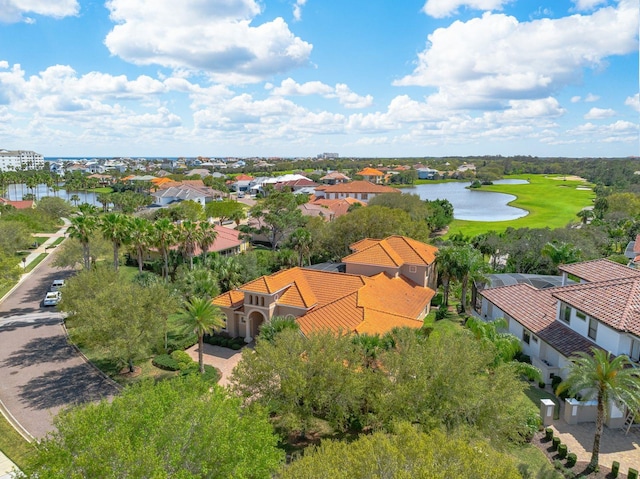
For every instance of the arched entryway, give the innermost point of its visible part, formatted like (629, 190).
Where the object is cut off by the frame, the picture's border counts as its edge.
(254, 321)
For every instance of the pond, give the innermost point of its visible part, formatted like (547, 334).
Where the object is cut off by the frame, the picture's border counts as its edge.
(472, 204)
(15, 193)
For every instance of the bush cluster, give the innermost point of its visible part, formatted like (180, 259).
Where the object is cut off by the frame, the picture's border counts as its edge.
(232, 343)
(571, 459)
(615, 469)
(165, 362)
(633, 473)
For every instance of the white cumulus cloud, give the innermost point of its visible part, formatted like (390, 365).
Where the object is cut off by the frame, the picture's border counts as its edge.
(12, 11)
(345, 96)
(633, 102)
(297, 9)
(445, 8)
(588, 4)
(599, 113)
(487, 61)
(217, 37)
(590, 98)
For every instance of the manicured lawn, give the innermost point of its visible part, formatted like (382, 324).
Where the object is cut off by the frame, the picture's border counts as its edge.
(13, 444)
(57, 242)
(535, 394)
(532, 458)
(36, 261)
(102, 189)
(550, 202)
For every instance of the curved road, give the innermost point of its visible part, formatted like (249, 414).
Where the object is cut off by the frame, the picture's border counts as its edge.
(40, 373)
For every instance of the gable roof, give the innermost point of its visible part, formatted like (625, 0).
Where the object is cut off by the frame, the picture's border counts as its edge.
(393, 251)
(599, 270)
(18, 204)
(535, 309)
(616, 303)
(370, 172)
(340, 301)
(357, 187)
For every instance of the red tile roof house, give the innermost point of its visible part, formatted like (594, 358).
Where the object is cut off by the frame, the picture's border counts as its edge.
(388, 283)
(359, 190)
(228, 242)
(602, 310)
(20, 204)
(372, 175)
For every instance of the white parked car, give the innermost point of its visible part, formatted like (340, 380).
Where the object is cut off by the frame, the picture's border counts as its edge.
(52, 298)
(56, 285)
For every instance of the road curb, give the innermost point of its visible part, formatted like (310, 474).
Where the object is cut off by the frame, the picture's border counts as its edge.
(15, 423)
(87, 360)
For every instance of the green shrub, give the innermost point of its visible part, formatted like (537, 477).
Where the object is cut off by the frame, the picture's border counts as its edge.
(562, 451)
(548, 434)
(542, 384)
(615, 469)
(571, 459)
(633, 473)
(555, 381)
(555, 443)
(183, 359)
(236, 346)
(165, 362)
(441, 312)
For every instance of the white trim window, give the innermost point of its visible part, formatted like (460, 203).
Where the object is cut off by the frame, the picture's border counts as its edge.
(593, 328)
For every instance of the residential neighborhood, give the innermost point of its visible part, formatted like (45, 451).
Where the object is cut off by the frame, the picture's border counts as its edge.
(327, 296)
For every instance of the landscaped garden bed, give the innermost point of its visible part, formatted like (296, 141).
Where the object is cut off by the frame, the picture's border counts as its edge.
(218, 340)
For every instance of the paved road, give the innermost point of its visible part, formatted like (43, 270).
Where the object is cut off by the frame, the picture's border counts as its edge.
(39, 372)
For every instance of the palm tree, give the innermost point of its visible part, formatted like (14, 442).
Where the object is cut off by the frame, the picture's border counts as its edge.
(104, 199)
(301, 241)
(75, 198)
(445, 262)
(207, 238)
(164, 236)
(115, 228)
(469, 266)
(82, 227)
(606, 378)
(228, 271)
(201, 317)
(189, 237)
(140, 237)
(561, 253)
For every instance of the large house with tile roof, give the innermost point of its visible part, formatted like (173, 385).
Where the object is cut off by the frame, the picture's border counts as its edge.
(359, 190)
(373, 175)
(386, 285)
(599, 308)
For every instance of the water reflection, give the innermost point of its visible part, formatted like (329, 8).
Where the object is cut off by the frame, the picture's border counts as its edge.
(472, 204)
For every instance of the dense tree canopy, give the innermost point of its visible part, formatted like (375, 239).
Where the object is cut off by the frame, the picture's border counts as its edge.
(406, 454)
(182, 428)
(115, 316)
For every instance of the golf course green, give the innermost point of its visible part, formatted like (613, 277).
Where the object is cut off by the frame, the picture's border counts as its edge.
(552, 201)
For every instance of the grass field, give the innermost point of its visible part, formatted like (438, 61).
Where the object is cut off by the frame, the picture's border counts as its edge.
(13, 444)
(551, 202)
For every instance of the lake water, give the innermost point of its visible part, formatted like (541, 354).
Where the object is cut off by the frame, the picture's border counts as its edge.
(15, 192)
(472, 204)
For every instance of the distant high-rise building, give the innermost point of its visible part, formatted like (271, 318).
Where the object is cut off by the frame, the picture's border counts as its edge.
(327, 156)
(20, 160)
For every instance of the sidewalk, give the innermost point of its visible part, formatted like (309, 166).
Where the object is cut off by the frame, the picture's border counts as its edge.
(51, 238)
(6, 467)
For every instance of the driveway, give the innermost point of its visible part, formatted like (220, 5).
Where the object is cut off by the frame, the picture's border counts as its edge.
(224, 359)
(40, 373)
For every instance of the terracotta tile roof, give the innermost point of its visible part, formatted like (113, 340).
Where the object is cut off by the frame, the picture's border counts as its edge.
(18, 204)
(340, 301)
(535, 309)
(616, 303)
(243, 178)
(357, 187)
(335, 175)
(370, 172)
(599, 270)
(636, 245)
(407, 298)
(338, 207)
(230, 299)
(392, 251)
(227, 238)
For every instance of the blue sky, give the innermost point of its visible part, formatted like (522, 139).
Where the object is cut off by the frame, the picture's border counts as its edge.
(376, 78)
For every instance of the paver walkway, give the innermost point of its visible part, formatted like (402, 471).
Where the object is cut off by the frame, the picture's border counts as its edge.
(614, 444)
(224, 359)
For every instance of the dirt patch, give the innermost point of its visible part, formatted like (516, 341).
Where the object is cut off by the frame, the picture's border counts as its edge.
(567, 178)
(125, 373)
(580, 469)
